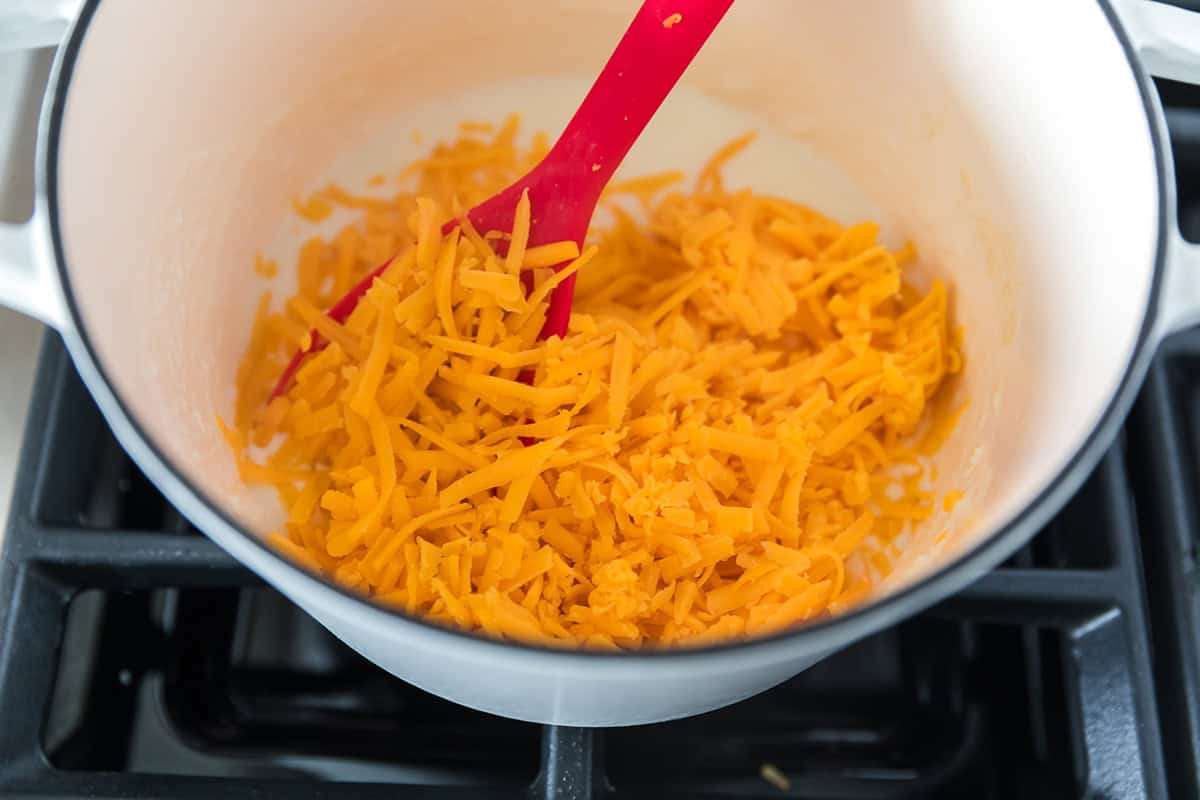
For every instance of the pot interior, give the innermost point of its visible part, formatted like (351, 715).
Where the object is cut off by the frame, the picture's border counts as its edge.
(1024, 174)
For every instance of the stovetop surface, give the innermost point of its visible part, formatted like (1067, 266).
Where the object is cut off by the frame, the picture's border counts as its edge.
(137, 660)
(143, 662)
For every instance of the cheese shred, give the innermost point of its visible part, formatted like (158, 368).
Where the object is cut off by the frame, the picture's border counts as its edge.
(708, 454)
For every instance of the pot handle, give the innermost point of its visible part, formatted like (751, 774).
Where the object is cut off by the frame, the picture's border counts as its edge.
(1167, 39)
(24, 283)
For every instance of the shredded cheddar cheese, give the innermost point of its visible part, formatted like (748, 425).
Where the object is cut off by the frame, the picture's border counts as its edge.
(705, 456)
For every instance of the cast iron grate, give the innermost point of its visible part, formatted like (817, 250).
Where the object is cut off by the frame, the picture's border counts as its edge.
(138, 660)
(1165, 439)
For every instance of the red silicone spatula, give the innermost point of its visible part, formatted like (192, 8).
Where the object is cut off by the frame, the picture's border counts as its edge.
(659, 44)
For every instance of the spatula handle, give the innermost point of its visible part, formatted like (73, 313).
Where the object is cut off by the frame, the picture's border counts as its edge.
(659, 44)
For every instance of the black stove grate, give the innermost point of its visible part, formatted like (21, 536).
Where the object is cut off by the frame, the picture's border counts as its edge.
(1165, 434)
(141, 661)
(137, 660)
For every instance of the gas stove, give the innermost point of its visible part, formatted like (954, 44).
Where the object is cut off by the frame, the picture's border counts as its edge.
(137, 660)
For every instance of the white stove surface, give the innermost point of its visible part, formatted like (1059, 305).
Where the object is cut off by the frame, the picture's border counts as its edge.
(22, 79)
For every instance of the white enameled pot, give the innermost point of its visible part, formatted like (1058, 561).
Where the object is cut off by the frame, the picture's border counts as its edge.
(1020, 145)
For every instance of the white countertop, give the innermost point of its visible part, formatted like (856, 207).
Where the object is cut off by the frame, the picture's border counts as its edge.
(22, 76)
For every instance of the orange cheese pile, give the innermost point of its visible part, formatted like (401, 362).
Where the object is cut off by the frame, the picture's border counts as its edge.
(705, 456)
